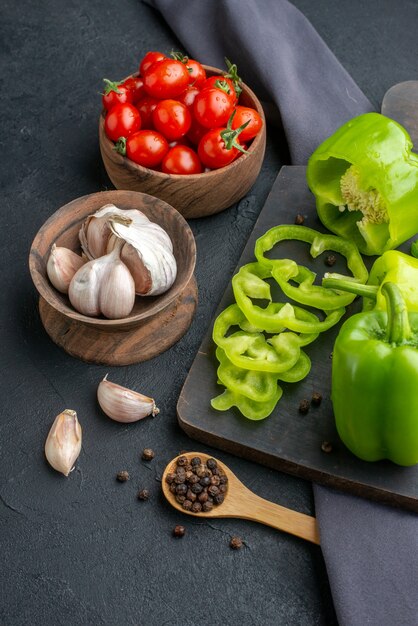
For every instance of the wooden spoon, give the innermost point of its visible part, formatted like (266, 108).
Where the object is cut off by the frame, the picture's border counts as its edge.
(400, 103)
(242, 503)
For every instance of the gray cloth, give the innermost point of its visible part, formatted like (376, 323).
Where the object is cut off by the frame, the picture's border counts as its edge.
(280, 55)
(371, 551)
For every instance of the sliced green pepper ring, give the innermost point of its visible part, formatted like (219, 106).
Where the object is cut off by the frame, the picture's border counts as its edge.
(251, 350)
(258, 386)
(249, 408)
(250, 283)
(286, 270)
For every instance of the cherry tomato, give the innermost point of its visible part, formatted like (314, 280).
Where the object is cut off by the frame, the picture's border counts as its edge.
(226, 84)
(166, 79)
(172, 119)
(212, 108)
(150, 58)
(115, 93)
(146, 147)
(213, 152)
(196, 132)
(136, 85)
(181, 160)
(146, 106)
(188, 95)
(121, 121)
(243, 115)
(197, 74)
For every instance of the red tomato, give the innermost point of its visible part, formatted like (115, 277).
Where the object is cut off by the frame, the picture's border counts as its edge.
(115, 93)
(243, 115)
(197, 74)
(146, 147)
(213, 152)
(146, 106)
(136, 85)
(149, 59)
(181, 160)
(172, 119)
(166, 79)
(196, 132)
(121, 121)
(226, 85)
(188, 95)
(212, 108)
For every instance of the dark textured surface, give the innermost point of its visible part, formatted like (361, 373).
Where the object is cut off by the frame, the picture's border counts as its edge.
(83, 550)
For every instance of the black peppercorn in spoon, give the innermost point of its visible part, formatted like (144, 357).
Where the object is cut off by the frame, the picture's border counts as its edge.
(240, 502)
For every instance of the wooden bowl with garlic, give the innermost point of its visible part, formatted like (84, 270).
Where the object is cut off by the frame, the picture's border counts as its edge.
(194, 195)
(127, 261)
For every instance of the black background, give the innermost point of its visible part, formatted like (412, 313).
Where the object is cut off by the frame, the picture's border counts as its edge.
(84, 550)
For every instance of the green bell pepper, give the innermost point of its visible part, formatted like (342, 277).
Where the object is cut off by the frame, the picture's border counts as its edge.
(250, 350)
(393, 266)
(365, 181)
(286, 271)
(249, 284)
(375, 380)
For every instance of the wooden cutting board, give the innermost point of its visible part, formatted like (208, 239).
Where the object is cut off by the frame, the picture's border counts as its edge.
(288, 440)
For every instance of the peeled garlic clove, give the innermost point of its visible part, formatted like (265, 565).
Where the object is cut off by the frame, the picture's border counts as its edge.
(63, 444)
(105, 286)
(122, 404)
(61, 267)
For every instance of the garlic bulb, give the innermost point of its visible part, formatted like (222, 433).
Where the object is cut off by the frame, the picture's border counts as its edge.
(148, 252)
(61, 267)
(63, 444)
(103, 286)
(122, 404)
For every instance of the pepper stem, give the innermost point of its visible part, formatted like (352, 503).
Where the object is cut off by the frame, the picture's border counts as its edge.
(398, 330)
(342, 283)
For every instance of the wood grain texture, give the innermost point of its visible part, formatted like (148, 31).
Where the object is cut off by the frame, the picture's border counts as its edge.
(176, 305)
(401, 103)
(122, 347)
(197, 195)
(243, 503)
(287, 440)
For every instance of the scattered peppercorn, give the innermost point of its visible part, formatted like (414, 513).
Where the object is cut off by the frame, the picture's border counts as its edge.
(179, 531)
(316, 398)
(148, 454)
(304, 407)
(326, 446)
(143, 494)
(123, 476)
(236, 543)
(330, 260)
(299, 219)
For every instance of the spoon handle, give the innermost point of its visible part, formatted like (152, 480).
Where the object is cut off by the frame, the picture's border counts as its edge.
(279, 517)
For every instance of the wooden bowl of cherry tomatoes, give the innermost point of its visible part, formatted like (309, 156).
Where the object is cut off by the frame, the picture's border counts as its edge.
(187, 133)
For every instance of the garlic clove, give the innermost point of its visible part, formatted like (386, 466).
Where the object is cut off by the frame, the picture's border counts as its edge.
(83, 291)
(61, 267)
(122, 404)
(140, 274)
(104, 285)
(63, 444)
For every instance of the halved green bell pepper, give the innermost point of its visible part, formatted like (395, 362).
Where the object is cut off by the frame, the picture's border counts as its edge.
(365, 181)
(375, 381)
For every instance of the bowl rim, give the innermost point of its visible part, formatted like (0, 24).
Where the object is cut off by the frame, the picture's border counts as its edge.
(48, 292)
(191, 177)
